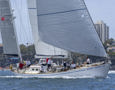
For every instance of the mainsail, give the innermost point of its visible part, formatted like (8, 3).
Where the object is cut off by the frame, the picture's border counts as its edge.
(42, 49)
(66, 24)
(8, 33)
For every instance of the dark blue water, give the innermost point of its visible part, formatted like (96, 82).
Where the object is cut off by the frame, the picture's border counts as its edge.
(21, 83)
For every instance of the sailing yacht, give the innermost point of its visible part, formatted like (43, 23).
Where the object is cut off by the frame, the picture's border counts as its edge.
(60, 27)
(7, 28)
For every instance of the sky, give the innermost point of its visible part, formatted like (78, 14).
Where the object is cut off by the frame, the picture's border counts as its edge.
(98, 9)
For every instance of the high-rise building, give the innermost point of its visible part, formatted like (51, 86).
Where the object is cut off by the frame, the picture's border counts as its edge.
(102, 30)
(1, 48)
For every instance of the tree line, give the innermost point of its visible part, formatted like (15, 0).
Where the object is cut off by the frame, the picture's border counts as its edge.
(27, 52)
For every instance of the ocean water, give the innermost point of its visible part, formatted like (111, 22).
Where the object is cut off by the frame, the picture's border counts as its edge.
(9, 82)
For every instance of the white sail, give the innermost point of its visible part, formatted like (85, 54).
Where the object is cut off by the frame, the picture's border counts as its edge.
(67, 24)
(42, 49)
(9, 38)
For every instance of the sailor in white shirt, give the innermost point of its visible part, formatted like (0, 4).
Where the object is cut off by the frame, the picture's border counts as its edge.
(28, 63)
(73, 65)
(88, 61)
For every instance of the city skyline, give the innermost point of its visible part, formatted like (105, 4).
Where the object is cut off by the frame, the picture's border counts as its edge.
(99, 10)
(102, 30)
(103, 10)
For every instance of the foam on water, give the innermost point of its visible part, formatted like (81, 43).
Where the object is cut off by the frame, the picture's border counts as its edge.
(16, 77)
(112, 72)
(52, 77)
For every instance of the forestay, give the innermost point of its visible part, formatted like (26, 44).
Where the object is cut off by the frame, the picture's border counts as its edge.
(67, 24)
(42, 49)
(8, 33)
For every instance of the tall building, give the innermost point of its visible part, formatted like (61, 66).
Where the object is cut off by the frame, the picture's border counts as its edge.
(102, 30)
(1, 48)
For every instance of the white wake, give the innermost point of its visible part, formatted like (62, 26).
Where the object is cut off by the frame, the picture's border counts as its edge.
(51, 77)
(112, 72)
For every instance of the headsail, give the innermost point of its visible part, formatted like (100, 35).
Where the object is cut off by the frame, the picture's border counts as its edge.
(42, 49)
(8, 33)
(67, 24)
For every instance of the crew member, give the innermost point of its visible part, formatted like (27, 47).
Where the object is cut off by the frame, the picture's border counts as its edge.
(88, 61)
(47, 60)
(21, 65)
(49, 63)
(64, 64)
(11, 66)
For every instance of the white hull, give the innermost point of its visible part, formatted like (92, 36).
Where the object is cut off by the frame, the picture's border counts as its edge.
(100, 71)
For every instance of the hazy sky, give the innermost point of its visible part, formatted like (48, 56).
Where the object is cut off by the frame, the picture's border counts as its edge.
(99, 10)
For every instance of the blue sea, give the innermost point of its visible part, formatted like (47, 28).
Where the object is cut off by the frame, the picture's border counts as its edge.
(9, 82)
